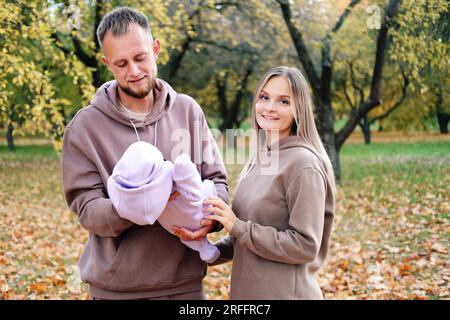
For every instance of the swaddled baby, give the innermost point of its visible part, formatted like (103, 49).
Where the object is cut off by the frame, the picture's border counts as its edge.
(142, 182)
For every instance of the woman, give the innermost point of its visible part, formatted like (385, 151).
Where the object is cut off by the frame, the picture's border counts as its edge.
(280, 225)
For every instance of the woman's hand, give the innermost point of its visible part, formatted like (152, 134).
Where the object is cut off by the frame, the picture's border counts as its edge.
(220, 212)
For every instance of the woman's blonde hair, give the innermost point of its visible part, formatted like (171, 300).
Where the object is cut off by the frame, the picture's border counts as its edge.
(304, 126)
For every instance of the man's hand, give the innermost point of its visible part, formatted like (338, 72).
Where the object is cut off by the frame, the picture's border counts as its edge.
(173, 195)
(186, 235)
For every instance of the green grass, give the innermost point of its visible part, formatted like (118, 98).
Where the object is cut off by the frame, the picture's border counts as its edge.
(416, 149)
(396, 166)
(28, 152)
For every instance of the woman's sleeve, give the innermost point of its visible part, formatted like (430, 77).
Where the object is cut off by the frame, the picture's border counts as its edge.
(300, 243)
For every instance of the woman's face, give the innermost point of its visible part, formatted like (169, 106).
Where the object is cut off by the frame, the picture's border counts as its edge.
(273, 107)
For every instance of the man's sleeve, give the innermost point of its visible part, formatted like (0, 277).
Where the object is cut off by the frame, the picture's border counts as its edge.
(212, 166)
(85, 192)
(226, 248)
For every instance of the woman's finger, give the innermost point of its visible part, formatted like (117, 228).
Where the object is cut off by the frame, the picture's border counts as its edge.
(215, 210)
(216, 218)
(216, 202)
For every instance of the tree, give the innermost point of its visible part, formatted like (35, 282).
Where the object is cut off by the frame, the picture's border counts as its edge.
(321, 82)
(28, 96)
(422, 43)
(83, 41)
(50, 53)
(227, 44)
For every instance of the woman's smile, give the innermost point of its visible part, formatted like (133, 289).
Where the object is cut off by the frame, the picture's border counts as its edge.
(267, 117)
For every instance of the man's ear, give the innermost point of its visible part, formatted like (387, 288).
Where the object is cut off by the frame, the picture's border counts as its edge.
(105, 62)
(156, 48)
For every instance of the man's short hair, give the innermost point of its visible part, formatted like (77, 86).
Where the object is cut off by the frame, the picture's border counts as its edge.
(119, 21)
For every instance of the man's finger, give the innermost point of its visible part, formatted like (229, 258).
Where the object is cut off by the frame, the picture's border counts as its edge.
(205, 222)
(174, 195)
(187, 235)
(200, 233)
(182, 233)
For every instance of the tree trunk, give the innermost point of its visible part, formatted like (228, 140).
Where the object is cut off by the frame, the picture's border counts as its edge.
(325, 114)
(334, 155)
(175, 61)
(365, 127)
(10, 138)
(321, 84)
(443, 119)
(221, 87)
(442, 116)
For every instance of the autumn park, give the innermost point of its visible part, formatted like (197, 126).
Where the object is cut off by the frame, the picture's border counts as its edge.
(378, 73)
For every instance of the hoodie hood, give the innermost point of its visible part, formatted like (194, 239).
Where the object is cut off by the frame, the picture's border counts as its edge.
(106, 100)
(291, 142)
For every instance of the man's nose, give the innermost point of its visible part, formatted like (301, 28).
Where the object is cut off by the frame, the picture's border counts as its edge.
(134, 70)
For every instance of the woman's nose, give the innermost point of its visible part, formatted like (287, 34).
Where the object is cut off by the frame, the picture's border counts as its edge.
(269, 106)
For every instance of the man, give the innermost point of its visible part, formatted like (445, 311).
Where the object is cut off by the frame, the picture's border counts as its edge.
(123, 260)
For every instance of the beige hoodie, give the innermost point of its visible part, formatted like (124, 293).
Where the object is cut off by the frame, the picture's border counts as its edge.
(122, 259)
(283, 231)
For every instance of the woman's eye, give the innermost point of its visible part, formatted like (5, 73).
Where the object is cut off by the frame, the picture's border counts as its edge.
(284, 102)
(264, 97)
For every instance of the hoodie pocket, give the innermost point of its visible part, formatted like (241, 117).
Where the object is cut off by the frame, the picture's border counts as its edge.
(118, 257)
(151, 258)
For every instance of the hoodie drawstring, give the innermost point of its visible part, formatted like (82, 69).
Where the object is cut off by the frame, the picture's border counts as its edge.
(135, 130)
(156, 131)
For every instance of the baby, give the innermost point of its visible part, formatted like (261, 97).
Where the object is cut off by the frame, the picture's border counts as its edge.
(142, 182)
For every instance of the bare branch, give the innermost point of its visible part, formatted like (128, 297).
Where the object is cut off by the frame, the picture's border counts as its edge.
(375, 89)
(354, 85)
(300, 45)
(344, 15)
(347, 96)
(398, 103)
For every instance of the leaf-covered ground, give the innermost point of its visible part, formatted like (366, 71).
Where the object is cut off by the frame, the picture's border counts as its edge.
(390, 237)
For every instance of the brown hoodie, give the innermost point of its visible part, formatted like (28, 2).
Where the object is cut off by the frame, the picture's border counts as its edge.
(122, 259)
(283, 230)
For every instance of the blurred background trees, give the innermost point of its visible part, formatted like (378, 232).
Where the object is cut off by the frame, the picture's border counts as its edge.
(380, 64)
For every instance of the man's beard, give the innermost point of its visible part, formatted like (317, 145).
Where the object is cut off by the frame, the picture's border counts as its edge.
(142, 93)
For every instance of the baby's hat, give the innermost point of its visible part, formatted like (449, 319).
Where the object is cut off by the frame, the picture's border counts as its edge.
(141, 183)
